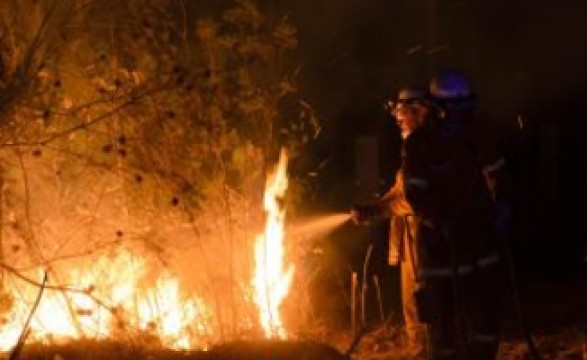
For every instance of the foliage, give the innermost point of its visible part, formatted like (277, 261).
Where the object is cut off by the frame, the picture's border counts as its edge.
(144, 125)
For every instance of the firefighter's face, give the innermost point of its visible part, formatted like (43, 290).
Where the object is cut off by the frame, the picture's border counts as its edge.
(408, 117)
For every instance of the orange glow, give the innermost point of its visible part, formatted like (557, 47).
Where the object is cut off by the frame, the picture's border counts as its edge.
(122, 295)
(271, 281)
(125, 306)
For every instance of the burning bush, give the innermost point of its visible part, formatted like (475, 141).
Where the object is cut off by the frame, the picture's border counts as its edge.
(135, 142)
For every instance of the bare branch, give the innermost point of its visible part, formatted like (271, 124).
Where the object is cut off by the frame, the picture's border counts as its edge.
(15, 353)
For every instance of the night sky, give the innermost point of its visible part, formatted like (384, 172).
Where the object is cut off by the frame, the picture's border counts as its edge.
(526, 60)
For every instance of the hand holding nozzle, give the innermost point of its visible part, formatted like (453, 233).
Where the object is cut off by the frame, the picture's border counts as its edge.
(363, 214)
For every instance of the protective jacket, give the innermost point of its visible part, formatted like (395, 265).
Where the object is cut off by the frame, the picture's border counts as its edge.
(446, 169)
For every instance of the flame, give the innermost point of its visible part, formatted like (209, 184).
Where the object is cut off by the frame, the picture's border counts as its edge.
(271, 282)
(111, 298)
(119, 295)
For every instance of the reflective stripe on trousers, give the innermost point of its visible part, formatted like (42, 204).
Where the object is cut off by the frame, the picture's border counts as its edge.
(446, 271)
(420, 183)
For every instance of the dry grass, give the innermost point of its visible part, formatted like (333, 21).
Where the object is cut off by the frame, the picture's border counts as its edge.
(569, 343)
(383, 343)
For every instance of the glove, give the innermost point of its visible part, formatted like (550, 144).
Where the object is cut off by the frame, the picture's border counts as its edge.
(362, 214)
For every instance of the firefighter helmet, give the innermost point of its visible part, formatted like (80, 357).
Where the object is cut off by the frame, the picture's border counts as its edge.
(452, 88)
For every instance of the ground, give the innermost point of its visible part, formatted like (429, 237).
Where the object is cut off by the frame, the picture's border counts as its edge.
(556, 315)
(556, 312)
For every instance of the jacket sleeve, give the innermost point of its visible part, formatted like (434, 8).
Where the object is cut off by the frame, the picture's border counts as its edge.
(417, 182)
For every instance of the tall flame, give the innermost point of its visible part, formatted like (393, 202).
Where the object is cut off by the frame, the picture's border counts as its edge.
(271, 281)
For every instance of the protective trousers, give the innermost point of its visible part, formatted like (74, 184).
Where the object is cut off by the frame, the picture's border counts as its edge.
(462, 293)
(465, 309)
(415, 329)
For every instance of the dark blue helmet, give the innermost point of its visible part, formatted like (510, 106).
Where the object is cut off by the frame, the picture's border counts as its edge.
(452, 89)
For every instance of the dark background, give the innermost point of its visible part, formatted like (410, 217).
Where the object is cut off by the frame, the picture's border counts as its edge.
(526, 61)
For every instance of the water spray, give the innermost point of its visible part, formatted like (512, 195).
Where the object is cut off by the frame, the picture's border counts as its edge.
(319, 225)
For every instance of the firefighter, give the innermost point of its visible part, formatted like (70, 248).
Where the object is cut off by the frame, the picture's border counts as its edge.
(451, 180)
(410, 110)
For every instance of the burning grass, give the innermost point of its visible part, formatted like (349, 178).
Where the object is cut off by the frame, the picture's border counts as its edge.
(383, 342)
(123, 294)
(143, 348)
